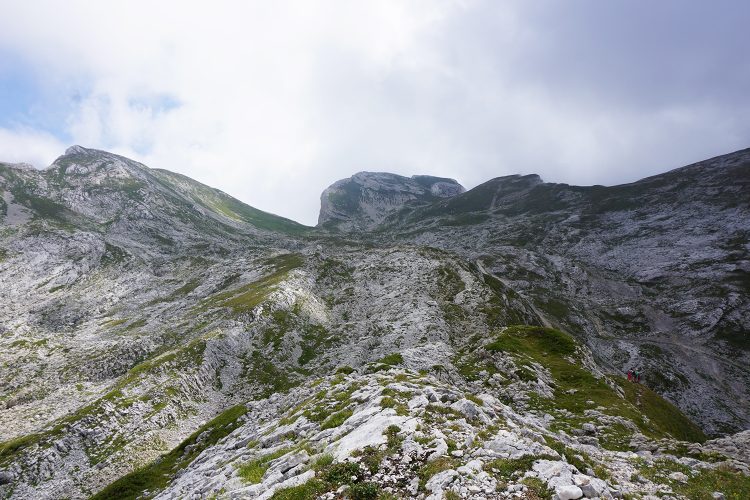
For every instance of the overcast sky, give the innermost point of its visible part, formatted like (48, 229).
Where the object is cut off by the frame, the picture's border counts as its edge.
(273, 101)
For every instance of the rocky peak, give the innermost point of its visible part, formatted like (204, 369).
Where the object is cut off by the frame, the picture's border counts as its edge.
(518, 181)
(367, 198)
(95, 164)
(76, 150)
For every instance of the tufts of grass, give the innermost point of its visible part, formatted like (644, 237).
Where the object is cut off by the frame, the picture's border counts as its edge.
(322, 462)
(364, 491)
(506, 468)
(343, 473)
(702, 483)
(390, 402)
(336, 419)
(474, 399)
(429, 469)
(370, 457)
(393, 439)
(392, 359)
(253, 471)
(579, 459)
(537, 489)
(311, 490)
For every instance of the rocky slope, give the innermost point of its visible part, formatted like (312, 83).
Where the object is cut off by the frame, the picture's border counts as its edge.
(651, 275)
(161, 339)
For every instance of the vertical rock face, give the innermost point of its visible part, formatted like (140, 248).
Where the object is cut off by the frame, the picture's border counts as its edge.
(366, 199)
(159, 338)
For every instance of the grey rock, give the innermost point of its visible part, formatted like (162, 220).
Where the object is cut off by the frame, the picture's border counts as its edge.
(6, 477)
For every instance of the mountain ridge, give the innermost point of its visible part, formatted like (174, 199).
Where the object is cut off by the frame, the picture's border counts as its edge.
(149, 330)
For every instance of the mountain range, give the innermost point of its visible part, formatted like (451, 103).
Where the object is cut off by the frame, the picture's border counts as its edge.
(161, 339)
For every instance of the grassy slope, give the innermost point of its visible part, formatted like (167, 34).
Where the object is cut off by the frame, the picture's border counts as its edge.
(229, 207)
(556, 351)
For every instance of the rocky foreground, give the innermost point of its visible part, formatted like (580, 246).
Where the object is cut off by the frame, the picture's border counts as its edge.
(396, 433)
(513, 426)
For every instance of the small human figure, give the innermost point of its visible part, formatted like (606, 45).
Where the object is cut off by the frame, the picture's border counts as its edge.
(630, 375)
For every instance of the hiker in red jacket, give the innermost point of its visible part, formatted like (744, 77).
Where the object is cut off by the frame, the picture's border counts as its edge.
(630, 375)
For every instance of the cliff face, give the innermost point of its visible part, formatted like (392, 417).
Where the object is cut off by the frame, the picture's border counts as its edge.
(160, 338)
(366, 199)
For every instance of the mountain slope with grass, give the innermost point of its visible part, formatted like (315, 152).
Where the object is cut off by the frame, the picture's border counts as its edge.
(160, 339)
(650, 275)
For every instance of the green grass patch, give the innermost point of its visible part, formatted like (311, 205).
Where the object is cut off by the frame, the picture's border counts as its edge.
(253, 471)
(245, 298)
(336, 419)
(701, 483)
(506, 468)
(575, 385)
(267, 375)
(311, 490)
(431, 468)
(474, 399)
(9, 448)
(392, 359)
(534, 340)
(666, 416)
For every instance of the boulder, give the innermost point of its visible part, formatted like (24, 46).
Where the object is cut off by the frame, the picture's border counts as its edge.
(570, 492)
(679, 477)
(440, 481)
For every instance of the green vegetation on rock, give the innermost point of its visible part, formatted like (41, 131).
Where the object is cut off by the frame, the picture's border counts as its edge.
(159, 473)
(576, 385)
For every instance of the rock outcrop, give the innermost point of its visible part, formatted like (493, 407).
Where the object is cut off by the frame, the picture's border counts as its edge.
(366, 199)
(161, 339)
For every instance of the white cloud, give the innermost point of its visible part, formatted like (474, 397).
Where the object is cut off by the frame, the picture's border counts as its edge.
(29, 146)
(273, 101)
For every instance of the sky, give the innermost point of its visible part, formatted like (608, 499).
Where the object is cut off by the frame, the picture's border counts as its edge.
(273, 101)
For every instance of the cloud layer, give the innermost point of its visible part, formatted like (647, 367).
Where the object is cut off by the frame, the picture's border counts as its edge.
(273, 101)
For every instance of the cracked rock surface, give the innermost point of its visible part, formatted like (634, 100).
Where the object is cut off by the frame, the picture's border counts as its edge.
(160, 339)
